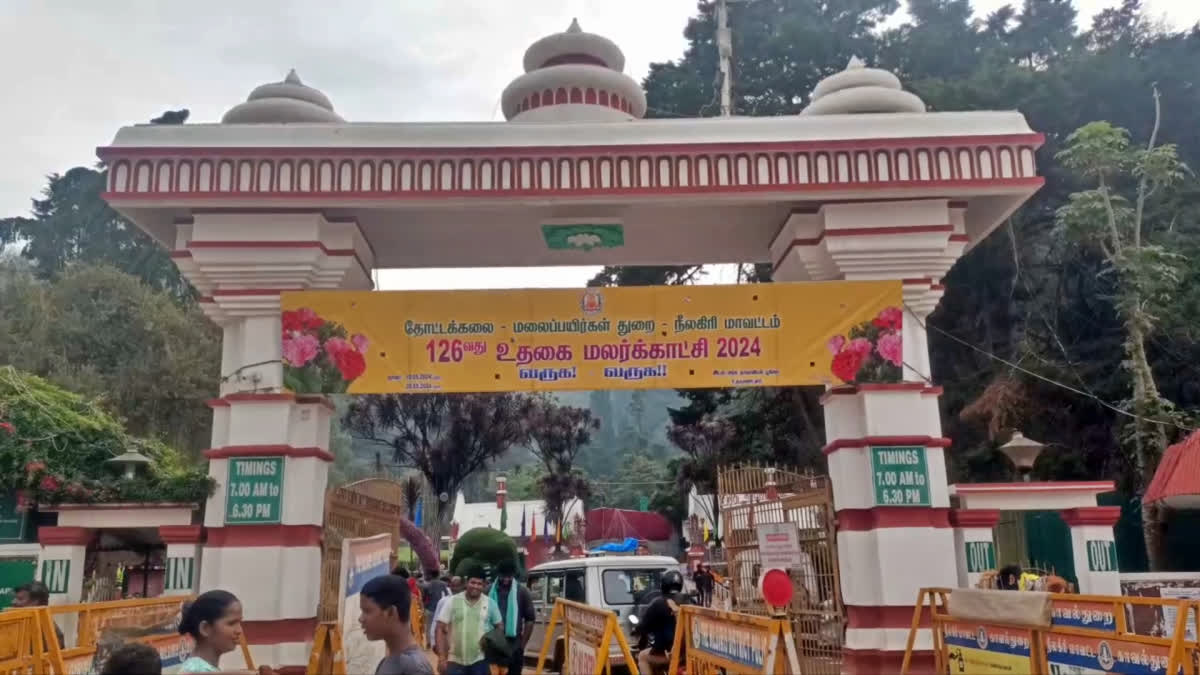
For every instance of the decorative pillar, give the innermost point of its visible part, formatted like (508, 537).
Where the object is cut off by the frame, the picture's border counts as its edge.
(974, 543)
(183, 558)
(1094, 548)
(60, 563)
(885, 447)
(270, 448)
(60, 566)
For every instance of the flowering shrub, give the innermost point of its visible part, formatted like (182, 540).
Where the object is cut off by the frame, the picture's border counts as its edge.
(872, 351)
(318, 355)
(54, 445)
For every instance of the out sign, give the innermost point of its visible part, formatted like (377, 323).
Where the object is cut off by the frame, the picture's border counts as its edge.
(1102, 555)
(981, 556)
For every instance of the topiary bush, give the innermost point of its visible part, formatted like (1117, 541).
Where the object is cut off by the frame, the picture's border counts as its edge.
(54, 446)
(485, 545)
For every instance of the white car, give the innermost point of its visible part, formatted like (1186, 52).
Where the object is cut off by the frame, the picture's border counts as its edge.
(615, 582)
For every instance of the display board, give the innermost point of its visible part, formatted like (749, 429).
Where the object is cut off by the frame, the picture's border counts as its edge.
(653, 337)
(362, 560)
(713, 640)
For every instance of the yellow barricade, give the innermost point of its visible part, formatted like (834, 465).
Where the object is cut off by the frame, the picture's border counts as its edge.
(588, 634)
(1084, 633)
(328, 656)
(715, 641)
(93, 630)
(24, 646)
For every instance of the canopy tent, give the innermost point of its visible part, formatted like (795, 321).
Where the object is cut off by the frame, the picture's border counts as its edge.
(1176, 483)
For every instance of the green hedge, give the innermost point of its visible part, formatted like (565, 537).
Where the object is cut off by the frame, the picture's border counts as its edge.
(54, 447)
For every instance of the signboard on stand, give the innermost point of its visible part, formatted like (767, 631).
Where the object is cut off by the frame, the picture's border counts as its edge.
(650, 337)
(778, 546)
(254, 495)
(362, 560)
(900, 476)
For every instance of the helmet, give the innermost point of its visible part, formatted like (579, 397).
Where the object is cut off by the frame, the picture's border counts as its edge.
(671, 582)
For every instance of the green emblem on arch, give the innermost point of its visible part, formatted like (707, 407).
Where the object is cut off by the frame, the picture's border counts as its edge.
(583, 237)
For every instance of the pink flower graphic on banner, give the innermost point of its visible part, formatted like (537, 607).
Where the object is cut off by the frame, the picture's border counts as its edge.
(891, 348)
(861, 346)
(300, 349)
(835, 344)
(890, 318)
(319, 355)
(871, 352)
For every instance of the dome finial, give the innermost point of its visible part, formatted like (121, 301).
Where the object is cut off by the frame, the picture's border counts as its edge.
(574, 27)
(292, 77)
(855, 63)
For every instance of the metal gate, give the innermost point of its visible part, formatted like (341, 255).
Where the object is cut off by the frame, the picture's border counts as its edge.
(816, 613)
(362, 509)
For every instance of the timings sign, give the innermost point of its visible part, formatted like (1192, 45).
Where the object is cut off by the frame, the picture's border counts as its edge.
(654, 337)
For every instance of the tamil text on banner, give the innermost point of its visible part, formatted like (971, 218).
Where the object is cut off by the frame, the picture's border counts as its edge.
(1078, 655)
(1083, 614)
(654, 337)
(980, 648)
(362, 560)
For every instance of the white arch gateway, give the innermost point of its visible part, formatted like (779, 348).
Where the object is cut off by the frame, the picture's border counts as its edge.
(285, 195)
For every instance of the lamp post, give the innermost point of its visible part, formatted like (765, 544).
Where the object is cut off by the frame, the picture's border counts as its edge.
(1023, 452)
(130, 461)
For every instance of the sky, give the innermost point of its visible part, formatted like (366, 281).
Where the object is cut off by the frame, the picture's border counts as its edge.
(77, 70)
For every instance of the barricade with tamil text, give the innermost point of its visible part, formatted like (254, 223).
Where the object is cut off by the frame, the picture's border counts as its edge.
(714, 641)
(984, 631)
(589, 635)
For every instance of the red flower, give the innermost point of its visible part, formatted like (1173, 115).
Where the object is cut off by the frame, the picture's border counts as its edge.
(301, 320)
(7, 427)
(49, 483)
(889, 319)
(35, 467)
(350, 362)
(846, 364)
(23, 503)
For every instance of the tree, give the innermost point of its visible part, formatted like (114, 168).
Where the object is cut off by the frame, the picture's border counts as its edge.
(1117, 217)
(101, 332)
(72, 224)
(707, 444)
(445, 437)
(557, 433)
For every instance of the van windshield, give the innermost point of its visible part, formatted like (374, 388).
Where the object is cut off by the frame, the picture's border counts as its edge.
(627, 586)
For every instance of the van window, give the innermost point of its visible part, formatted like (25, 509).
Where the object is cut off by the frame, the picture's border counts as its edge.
(574, 590)
(554, 586)
(626, 587)
(537, 588)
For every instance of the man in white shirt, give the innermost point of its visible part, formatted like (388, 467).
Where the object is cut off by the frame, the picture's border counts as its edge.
(462, 622)
(456, 586)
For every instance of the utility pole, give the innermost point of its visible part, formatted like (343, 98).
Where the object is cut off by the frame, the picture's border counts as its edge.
(725, 54)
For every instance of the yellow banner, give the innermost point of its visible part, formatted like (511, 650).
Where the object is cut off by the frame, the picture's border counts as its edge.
(662, 337)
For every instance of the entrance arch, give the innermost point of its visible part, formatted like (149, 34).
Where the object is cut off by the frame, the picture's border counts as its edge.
(285, 196)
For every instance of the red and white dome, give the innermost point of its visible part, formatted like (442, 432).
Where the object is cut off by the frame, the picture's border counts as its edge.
(573, 76)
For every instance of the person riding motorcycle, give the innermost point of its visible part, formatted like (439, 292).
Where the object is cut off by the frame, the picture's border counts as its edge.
(657, 625)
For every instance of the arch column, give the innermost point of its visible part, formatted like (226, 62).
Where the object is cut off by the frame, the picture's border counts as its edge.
(1094, 548)
(270, 448)
(873, 429)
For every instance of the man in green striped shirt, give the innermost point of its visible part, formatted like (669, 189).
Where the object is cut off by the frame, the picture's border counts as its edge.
(461, 624)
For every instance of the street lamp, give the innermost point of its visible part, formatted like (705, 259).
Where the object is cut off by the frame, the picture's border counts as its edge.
(1023, 452)
(130, 461)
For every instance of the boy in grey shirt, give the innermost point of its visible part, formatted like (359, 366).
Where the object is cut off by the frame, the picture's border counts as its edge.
(385, 603)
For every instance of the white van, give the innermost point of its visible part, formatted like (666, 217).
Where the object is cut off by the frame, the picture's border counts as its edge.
(615, 582)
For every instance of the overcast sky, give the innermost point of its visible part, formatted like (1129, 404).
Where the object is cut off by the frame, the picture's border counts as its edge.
(76, 70)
